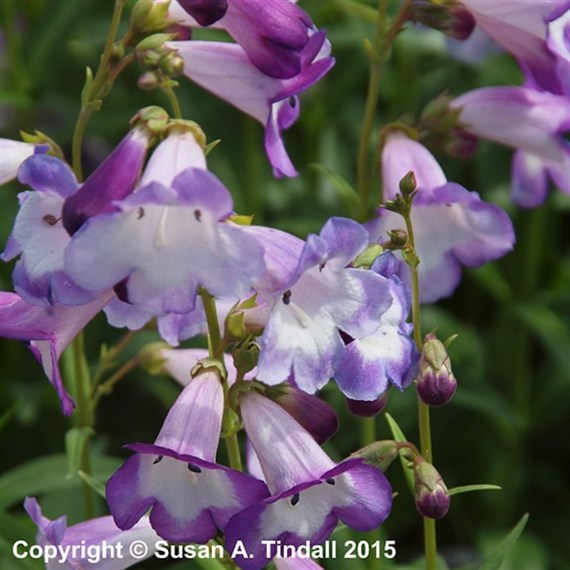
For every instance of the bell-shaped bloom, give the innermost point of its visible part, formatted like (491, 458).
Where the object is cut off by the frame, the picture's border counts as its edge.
(114, 179)
(225, 70)
(48, 331)
(387, 356)
(521, 28)
(103, 544)
(190, 496)
(529, 121)
(13, 154)
(165, 242)
(452, 226)
(39, 237)
(302, 336)
(273, 33)
(310, 494)
(314, 414)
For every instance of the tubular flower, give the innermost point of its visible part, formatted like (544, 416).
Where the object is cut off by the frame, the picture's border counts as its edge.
(225, 70)
(302, 336)
(190, 496)
(100, 532)
(13, 154)
(452, 226)
(48, 331)
(533, 123)
(310, 494)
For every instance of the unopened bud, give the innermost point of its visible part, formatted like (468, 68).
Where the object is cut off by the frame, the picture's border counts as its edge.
(148, 16)
(153, 119)
(408, 183)
(246, 356)
(398, 238)
(149, 80)
(432, 496)
(461, 143)
(171, 64)
(436, 383)
(151, 357)
(150, 58)
(380, 453)
(449, 17)
(367, 409)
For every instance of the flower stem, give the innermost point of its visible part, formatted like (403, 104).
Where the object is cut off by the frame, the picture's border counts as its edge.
(95, 90)
(174, 103)
(378, 54)
(214, 335)
(234, 454)
(430, 539)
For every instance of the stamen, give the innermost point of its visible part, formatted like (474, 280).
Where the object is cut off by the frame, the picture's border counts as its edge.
(295, 499)
(286, 297)
(303, 319)
(198, 214)
(194, 468)
(322, 265)
(331, 481)
(140, 213)
(158, 459)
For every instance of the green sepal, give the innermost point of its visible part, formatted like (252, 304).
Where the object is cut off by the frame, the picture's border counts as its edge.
(368, 256)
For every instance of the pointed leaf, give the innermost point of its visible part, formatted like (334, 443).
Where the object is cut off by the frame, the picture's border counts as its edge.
(498, 557)
(469, 488)
(346, 193)
(398, 435)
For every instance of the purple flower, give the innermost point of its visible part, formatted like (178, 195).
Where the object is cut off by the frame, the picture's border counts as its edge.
(533, 123)
(99, 535)
(273, 33)
(559, 44)
(521, 28)
(314, 414)
(113, 179)
(302, 336)
(388, 355)
(48, 331)
(164, 243)
(310, 494)
(39, 237)
(13, 154)
(225, 70)
(452, 226)
(190, 496)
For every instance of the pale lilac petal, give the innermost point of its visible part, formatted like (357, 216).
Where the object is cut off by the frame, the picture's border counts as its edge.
(296, 564)
(176, 153)
(48, 332)
(194, 422)
(48, 174)
(401, 155)
(559, 44)
(13, 154)
(288, 454)
(120, 315)
(190, 498)
(530, 180)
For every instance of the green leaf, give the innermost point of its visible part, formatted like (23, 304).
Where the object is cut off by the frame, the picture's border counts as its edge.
(398, 435)
(469, 488)
(346, 193)
(356, 8)
(498, 557)
(48, 473)
(95, 484)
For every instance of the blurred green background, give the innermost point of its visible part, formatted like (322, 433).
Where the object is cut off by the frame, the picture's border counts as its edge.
(509, 421)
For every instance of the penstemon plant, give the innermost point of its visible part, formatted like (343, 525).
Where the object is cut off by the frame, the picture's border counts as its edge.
(280, 335)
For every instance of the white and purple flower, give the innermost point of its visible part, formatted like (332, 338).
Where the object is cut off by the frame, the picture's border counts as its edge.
(452, 226)
(191, 497)
(533, 123)
(310, 494)
(13, 154)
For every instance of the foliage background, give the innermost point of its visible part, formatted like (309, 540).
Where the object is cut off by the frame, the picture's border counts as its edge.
(508, 423)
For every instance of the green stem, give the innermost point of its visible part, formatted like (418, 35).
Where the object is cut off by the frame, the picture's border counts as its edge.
(95, 90)
(367, 431)
(382, 44)
(107, 386)
(174, 103)
(215, 338)
(234, 455)
(430, 539)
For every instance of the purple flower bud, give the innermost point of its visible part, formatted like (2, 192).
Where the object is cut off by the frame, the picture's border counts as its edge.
(436, 383)
(367, 409)
(451, 18)
(432, 497)
(380, 453)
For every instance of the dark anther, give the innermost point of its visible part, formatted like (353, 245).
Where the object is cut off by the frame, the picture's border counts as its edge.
(140, 213)
(157, 460)
(295, 499)
(198, 214)
(322, 265)
(287, 297)
(50, 219)
(292, 101)
(331, 481)
(194, 468)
